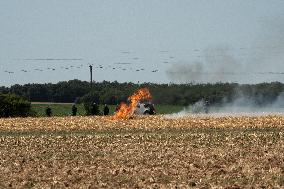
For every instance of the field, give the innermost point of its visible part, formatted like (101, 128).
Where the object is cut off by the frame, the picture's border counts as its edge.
(64, 109)
(143, 152)
(59, 109)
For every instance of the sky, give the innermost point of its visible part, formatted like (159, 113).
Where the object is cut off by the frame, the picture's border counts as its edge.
(159, 41)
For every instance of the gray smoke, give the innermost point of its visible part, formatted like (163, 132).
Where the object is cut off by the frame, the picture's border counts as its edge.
(217, 65)
(263, 61)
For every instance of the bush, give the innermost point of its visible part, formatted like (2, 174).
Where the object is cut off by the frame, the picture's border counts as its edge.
(12, 105)
(91, 102)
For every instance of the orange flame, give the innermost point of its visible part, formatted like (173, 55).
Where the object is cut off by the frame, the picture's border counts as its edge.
(126, 111)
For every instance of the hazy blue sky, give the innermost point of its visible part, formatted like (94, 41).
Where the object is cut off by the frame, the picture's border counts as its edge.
(185, 40)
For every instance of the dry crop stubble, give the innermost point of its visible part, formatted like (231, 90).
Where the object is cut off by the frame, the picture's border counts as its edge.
(141, 122)
(146, 151)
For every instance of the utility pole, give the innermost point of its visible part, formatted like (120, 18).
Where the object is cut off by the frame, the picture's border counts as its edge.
(91, 73)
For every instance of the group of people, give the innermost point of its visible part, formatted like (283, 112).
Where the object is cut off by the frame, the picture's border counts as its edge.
(94, 110)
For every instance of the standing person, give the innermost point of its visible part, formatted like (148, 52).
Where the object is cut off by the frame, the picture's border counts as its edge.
(95, 109)
(48, 111)
(206, 106)
(106, 110)
(74, 110)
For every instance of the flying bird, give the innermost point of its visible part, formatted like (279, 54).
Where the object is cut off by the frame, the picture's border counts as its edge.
(125, 52)
(123, 63)
(9, 72)
(53, 59)
(38, 69)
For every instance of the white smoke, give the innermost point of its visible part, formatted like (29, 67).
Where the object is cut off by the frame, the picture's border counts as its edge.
(198, 108)
(240, 106)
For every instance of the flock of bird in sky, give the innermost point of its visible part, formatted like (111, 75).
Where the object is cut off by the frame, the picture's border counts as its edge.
(116, 66)
(78, 67)
(124, 66)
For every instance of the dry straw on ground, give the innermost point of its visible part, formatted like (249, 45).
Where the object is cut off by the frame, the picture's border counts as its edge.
(145, 122)
(143, 152)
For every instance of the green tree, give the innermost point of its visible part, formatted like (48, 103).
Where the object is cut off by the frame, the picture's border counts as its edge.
(12, 105)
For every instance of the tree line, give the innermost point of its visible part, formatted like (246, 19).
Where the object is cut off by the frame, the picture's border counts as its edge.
(76, 91)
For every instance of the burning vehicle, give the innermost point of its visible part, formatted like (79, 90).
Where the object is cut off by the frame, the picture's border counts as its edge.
(126, 111)
(145, 108)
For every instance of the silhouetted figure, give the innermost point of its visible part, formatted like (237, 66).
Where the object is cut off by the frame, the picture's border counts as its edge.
(48, 111)
(5, 112)
(74, 110)
(206, 106)
(95, 109)
(106, 110)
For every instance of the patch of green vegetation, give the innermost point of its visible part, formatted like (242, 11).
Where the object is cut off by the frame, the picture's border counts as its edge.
(57, 109)
(65, 109)
(168, 109)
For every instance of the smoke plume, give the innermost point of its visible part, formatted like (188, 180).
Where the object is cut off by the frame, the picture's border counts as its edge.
(263, 61)
(241, 105)
(218, 65)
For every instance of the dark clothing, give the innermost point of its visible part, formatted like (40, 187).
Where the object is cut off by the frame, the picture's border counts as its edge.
(74, 110)
(95, 109)
(106, 110)
(48, 111)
